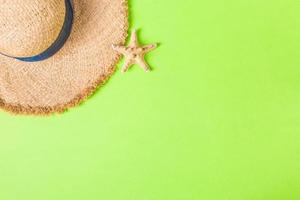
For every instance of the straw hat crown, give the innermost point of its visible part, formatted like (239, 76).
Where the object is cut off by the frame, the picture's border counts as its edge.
(29, 27)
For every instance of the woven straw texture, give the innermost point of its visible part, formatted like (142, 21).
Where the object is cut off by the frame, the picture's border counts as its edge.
(75, 72)
(29, 27)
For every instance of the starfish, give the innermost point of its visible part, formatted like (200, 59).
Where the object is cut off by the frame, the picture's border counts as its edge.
(134, 53)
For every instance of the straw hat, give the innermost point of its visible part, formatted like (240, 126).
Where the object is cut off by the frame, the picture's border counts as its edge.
(55, 53)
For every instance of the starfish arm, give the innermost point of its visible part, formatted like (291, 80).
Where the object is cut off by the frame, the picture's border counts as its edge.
(141, 62)
(119, 48)
(149, 47)
(134, 40)
(127, 64)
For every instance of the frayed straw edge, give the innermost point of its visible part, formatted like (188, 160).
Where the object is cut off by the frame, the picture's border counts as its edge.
(18, 109)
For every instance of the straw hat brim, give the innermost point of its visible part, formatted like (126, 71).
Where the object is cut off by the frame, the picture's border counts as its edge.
(85, 62)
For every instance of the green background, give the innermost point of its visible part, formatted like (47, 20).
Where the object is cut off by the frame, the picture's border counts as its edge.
(217, 119)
